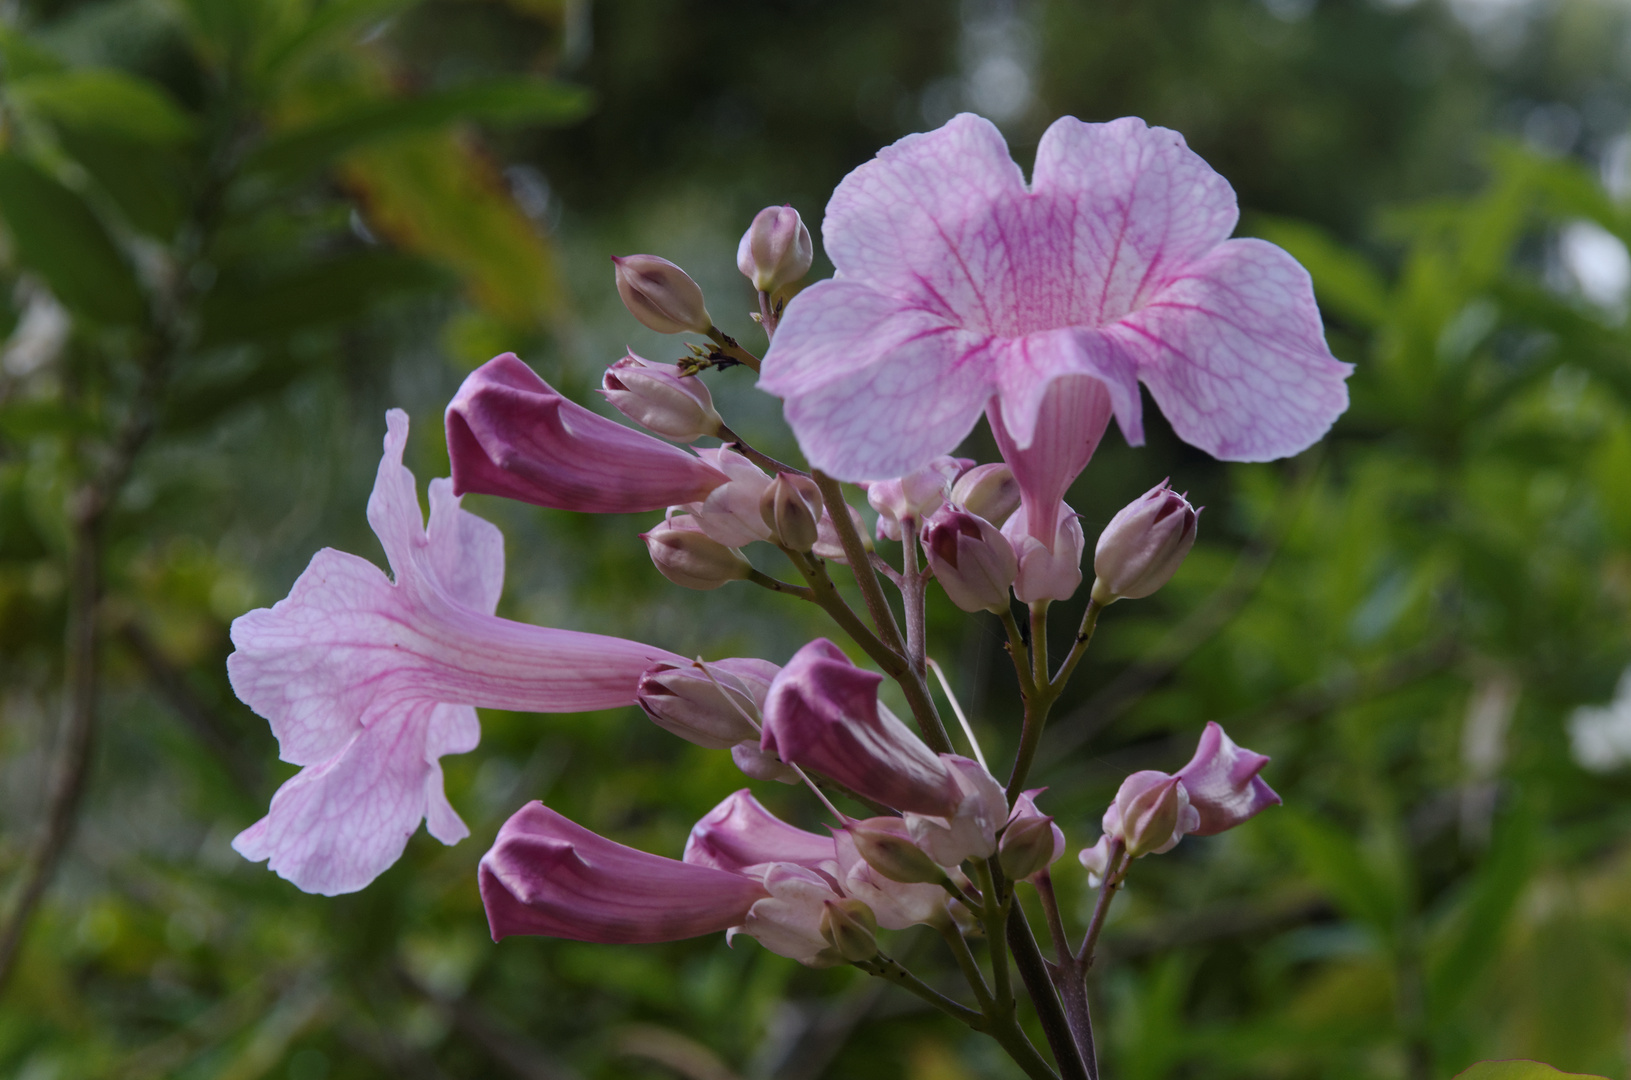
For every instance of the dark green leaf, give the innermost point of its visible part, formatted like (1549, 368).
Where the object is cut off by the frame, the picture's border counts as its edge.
(1518, 1070)
(58, 237)
(505, 101)
(107, 102)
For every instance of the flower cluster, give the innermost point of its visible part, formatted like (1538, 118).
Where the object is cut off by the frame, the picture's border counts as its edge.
(961, 291)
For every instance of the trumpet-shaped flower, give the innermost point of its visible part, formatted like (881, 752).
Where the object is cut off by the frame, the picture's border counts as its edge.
(367, 682)
(959, 286)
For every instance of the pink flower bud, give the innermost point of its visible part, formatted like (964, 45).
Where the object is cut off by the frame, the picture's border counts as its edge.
(776, 250)
(730, 513)
(1223, 784)
(888, 847)
(823, 713)
(1143, 545)
(661, 295)
(758, 765)
(510, 433)
(1097, 861)
(791, 507)
(682, 699)
(550, 876)
(1031, 842)
(788, 921)
(1047, 572)
(970, 830)
(971, 559)
(1152, 813)
(660, 399)
(896, 904)
(688, 557)
(740, 833)
(988, 491)
(914, 496)
(850, 928)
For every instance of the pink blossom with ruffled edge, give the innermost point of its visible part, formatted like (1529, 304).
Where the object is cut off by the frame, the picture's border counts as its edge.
(1223, 782)
(959, 287)
(368, 683)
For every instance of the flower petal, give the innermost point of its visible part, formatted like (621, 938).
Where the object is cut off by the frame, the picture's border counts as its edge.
(550, 876)
(1141, 206)
(740, 832)
(1234, 354)
(874, 386)
(915, 220)
(1068, 427)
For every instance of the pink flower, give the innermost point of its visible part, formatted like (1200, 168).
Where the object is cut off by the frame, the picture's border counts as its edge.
(367, 683)
(1223, 783)
(1047, 571)
(912, 497)
(549, 876)
(1071, 421)
(959, 287)
(510, 433)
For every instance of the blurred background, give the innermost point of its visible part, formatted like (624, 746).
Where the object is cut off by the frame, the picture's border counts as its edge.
(236, 231)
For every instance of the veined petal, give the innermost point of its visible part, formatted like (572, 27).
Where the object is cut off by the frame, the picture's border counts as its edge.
(1234, 354)
(547, 875)
(874, 386)
(367, 683)
(1142, 206)
(915, 220)
(1068, 426)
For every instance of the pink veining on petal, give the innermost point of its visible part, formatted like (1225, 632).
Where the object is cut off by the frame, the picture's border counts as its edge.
(957, 283)
(549, 876)
(510, 433)
(367, 682)
(1069, 424)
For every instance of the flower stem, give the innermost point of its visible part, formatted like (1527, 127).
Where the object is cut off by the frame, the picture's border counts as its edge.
(1084, 636)
(735, 442)
(996, 896)
(885, 968)
(728, 348)
(1033, 970)
(774, 585)
(1107, 892)
(1070, 977)
(965, 961)
(825, 595)
(912, 590)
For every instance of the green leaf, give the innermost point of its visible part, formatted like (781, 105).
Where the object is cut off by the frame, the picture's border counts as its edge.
(1475, 935)
(1518, 1069)
(105, 101)
(58, 237)
(145, 182)
(1334, 860)
(1344, 281)
(502, 101)
(245, 307)
(23, 57)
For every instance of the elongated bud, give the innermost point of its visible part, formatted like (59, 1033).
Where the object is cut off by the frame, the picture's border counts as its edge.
(1223, 784)
(687, 556)
(1143, 545)
(660, 399)
(1154, 811)
(661, 295)
(791, 506)
(714, 712)
(776, 250)
(971, 559)
(850, 927)
(730, 512)
(989, 491)
(888, 849)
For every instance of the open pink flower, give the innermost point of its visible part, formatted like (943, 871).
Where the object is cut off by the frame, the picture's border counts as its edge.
(957, 284)
(367, 683)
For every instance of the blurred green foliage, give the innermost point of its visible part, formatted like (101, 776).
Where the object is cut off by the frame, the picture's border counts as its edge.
(237, 230)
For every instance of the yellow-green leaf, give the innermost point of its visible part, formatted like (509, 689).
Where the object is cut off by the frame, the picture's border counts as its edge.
(106, 102)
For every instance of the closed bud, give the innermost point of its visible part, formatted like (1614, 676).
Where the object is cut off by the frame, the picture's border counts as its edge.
(776, 250)
(1143, 545)
(989, 491)
(791, 507)
(1031, 842)
(1047, 571)
(914, 496)
(715, 708)
(687, 556)
(850, 928)
(888, 849)
(1154, 811)
(971, 559)
(661, 295)
(660, 399)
